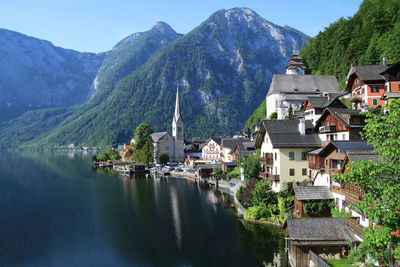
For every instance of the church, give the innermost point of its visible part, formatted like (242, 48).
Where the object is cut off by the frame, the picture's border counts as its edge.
(174, 145)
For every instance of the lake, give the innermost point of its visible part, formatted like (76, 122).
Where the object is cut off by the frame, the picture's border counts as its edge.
(57, 211)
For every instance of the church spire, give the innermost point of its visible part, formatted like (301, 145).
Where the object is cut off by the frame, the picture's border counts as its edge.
(177, 114)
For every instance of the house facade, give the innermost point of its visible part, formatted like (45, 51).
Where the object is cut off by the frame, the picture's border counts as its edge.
(315, 105)
(368, 83)
(284, 146)
(211, 149)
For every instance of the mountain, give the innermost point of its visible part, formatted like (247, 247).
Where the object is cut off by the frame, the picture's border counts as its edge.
(223, 69)
(36, 74)
(129, 54)
(372, 33)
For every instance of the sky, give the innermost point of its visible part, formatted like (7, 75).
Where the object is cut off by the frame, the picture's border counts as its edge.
(97, 25)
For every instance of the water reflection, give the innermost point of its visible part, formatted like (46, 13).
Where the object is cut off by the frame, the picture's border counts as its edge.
(60, 212)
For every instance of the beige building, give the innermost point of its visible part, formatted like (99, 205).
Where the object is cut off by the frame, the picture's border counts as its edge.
(162, 142)
(284, 145)
(211, 149)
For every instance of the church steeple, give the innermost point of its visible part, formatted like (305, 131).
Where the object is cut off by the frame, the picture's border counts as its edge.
(177, 113)
(295, 65)
(177, 132)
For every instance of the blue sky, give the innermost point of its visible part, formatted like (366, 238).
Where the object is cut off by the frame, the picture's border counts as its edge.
(97, 25)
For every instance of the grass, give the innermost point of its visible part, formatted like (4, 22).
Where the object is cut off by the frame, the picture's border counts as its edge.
(338, 263)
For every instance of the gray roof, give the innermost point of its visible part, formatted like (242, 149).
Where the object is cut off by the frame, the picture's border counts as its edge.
(317, 101)
(210, 166)
(315, 151)
(329, 229)
(346, 146)
(157, 136)
(363, 155)
(285, 133)
(312, 192)
(232, 143)
(388, 95)
(246, 148)
(304, 84)
(367, 72)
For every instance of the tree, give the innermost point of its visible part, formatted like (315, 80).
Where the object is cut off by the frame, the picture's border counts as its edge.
(273, 116)
(142, 134)
(164, 158)
(251, 166)
(381, 186)
(289, 116)
(146, 154)
(263, 195)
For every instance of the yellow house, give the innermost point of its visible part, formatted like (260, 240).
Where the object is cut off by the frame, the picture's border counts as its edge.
(284, 145)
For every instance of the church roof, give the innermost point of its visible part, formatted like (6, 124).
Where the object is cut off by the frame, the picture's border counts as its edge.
(304, 84)
(157, 136)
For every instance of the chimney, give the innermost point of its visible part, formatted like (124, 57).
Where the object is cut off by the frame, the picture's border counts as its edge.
(302, 126)
(384, 61)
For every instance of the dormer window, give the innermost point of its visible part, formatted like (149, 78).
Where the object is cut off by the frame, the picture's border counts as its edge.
(317, 90)
(296, 90)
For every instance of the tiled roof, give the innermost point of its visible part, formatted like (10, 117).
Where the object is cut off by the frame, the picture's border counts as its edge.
(368, 72)
(285, 133)
(312, 192)
(346, 146)
(232, 143)
(312, 84)
(363, 155)
(334, 229)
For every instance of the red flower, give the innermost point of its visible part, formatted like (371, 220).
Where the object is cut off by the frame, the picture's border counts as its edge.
(379, 227)
(395, 234)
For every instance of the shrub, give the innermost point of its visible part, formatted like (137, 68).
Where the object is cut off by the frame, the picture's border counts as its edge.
(273, 116)
(246, 197)
(164, 158)
(234, 174)
(318, 206)
(217, 171)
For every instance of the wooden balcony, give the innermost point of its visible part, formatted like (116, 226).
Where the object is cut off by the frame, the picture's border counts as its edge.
(327, 129)
(351, 192)
(316, 166)
(334, 171)
(353, 224)
(266, 160)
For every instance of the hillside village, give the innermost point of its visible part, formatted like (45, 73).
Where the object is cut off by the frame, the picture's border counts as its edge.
(309, 136)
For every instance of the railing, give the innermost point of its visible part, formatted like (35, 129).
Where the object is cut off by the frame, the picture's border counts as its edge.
(334, 171)
(316, 166)
(318, 262)
(352, 192)
(265, 175)
(327, 129)
(353, 224)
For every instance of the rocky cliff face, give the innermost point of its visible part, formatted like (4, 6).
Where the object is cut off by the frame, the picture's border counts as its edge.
(36, 74)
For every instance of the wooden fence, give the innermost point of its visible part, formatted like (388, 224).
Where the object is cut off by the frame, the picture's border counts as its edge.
(316, 261)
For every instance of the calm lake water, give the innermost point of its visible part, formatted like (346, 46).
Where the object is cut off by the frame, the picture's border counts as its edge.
(56, 211)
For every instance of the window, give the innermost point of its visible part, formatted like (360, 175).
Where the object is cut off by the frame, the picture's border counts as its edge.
(303, 156)
(374, 101)
(276, 156)
(304, 171)
(291, 172)
(363, 91)
(291, 155)
(343, 136)
(374, 89)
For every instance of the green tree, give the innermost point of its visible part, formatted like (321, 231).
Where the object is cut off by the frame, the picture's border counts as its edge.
(263, 195)
(289, 116)
(164, 158)
(381, 185)
(142, 134)
(146, 154)
(251, 166)
(273, 116)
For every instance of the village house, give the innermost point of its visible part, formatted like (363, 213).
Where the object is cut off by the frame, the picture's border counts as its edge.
(368, 83)
(304, 194)
(325, 237)
(339, 124)
(243, 150)
(293, 88)
(284, 146)
(126, 152)
(228, 146)
(336, 156)
(211, 149)
(315, 105)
